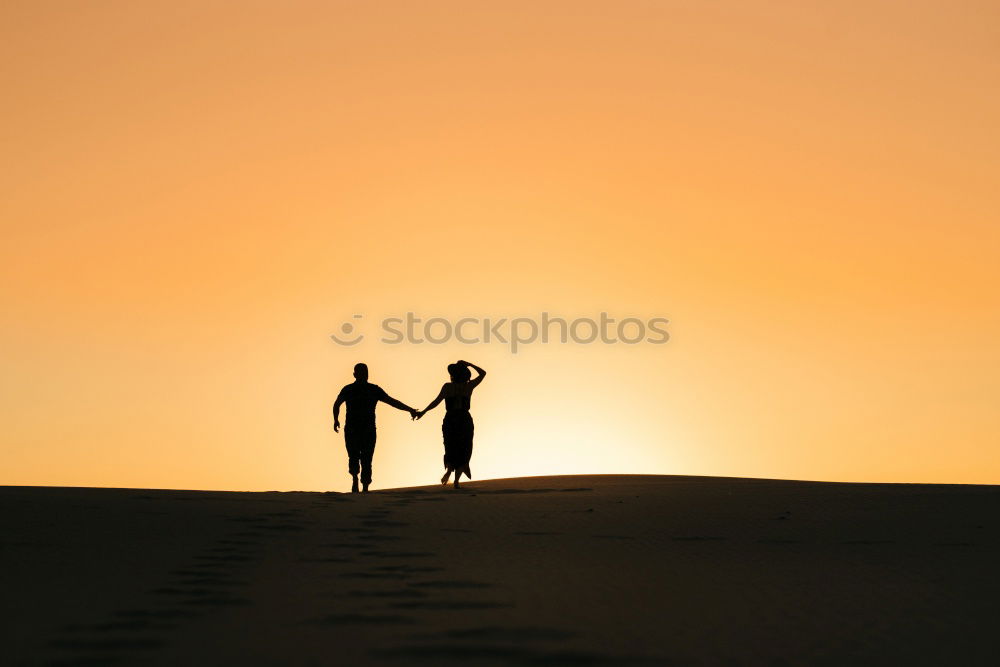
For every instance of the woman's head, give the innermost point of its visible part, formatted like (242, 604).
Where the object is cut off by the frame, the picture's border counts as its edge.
(459, 373)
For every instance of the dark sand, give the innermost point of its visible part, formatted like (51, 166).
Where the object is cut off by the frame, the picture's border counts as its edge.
(588, 570)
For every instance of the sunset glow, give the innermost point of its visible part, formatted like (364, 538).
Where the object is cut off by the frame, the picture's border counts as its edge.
(197, 194)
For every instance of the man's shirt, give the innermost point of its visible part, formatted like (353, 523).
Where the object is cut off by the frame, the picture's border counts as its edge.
(361, 399)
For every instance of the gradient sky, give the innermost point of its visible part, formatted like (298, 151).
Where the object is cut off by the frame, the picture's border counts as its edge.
(196, 194)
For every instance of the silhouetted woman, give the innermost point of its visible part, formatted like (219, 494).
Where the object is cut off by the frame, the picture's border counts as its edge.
(457, 427)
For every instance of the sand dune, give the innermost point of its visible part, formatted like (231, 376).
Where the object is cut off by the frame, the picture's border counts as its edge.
(589, 570)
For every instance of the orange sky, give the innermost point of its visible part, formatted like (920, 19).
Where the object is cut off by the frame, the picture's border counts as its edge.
(197, 193)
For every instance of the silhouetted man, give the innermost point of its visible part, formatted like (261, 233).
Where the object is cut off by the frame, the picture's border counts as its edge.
(359, 434)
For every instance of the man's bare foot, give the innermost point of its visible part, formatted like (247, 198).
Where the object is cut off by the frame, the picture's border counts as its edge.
(447, 474)
(354, 485)
(365, 488)
(456, 483)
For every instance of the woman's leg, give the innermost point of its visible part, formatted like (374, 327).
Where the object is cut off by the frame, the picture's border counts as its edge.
(447, 474)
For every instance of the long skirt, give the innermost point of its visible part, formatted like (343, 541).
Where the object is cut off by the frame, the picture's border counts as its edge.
(457, 430)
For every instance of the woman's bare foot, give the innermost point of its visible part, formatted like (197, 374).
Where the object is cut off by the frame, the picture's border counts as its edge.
(447, 474)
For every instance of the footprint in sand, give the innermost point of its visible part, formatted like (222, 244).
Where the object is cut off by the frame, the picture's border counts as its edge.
(697, 538)
(204, 584)
(328, 559)
(379, 538)
(502, 653)
(451, 584)
(398, 554)
(375, 575)
(384, 523)
(382, 594)
(451, 605)
(364, 619)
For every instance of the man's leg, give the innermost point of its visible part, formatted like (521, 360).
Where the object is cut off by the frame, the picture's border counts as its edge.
(367, 451)
(353, 458)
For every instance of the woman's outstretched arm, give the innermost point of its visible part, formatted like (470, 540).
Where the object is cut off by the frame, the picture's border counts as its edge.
(433, 404)
(474, 382)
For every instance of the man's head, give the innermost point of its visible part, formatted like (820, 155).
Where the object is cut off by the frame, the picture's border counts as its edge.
(361, 372)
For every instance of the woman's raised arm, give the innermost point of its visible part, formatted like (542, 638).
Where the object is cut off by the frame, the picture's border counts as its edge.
(474, 382)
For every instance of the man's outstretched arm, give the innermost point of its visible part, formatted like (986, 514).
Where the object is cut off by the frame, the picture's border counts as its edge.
(399, 405)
